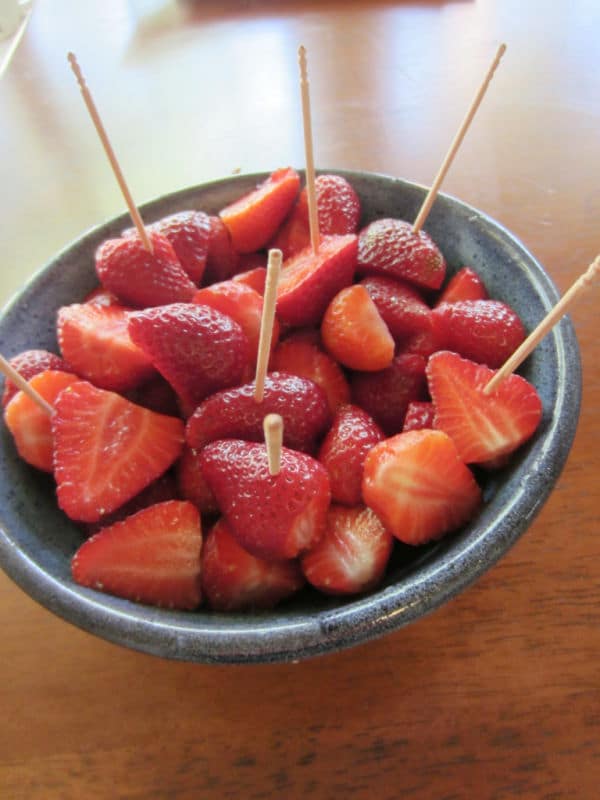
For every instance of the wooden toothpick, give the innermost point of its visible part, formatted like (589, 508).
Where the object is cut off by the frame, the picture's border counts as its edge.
(91, 107)
(273, 429)
(266, 322)
(313, 214)
(460, 135)
(19, 381)
(581, 284)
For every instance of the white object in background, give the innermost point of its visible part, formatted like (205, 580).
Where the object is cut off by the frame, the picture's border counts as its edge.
(11, 14)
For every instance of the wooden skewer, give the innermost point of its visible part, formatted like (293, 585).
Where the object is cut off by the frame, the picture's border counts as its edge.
(460, 135)
(91, 107)
(273, 428)
(553, 316)
(266, 322)
(313, 214)
(20, 381)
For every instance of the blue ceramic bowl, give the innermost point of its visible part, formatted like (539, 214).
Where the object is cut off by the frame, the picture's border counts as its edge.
(37, 540)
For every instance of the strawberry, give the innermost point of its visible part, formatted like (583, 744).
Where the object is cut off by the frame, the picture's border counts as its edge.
(421, 344)
(464, 285)
(390, 247)
(274, 517)
(157, 395)
(30, 424)
(253, 219)
(354, 332)
(189, 233)
(151, 557)
(192, 484)
(254, 278)
(298, 356)
(234, 413)
(385, 395)
(233, 580)
(139, 278)
(30, 363)
(352, 555)
(483, 427)
(102, 297)
(419, 487)
(419, 414)
(196, 348)
(487, 331)
(344, 449)
(400, 305)
(221, 259)
(94, 339)
(251, 261)
(309, 282)
(106, 449)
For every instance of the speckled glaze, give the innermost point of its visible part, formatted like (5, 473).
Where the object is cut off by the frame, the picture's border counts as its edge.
(37, 540)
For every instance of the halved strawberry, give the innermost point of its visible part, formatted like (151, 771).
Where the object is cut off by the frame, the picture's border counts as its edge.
(354, 332)
(221, 259)
(418, 485)
(139, 278)
(254, 278)
(30, 424)
(151, 557)
(189, 233)
(309, 282)
(390, 247)
(274, 517)
(95, 341)
(253, 219)
(352, 555)
(192, 483)
(419, 414)
(158, 395)
(107, 449)
(400, 305)
(233, 579)
(464, 285)
(483, 427)
(344, 449)
(30, 363)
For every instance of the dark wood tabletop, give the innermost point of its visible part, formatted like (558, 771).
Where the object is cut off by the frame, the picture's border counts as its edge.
(497, 693)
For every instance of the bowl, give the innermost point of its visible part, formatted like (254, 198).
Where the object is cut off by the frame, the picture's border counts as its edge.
(37, 541)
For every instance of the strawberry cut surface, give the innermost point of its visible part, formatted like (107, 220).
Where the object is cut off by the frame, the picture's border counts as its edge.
(400, 305)
(30, 363)
(464, 285)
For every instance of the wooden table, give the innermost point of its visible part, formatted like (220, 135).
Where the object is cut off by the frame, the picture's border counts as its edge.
(495, 695)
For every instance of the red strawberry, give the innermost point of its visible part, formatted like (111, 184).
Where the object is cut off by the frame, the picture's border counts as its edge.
(420, 344)
(483, 427)
(419, 487)
(139, 278)
(464, 285)
(192, 483)
(102, 297)
(106, 450)
(151, 557)
(233, 580)
(401, 306)
(298, 356)
(385, 395)
(196, 348)
(390, 247)
(234, 413)
(189, 233)
(30, 424)
(487, 331)
(354, 332)
(94, 339)
(419, 414)
(309, 282)
(30, 363)
(344, 450)
(221, 259)
(157, 395)
(274, 517)
(352, 555)
(248, 262)
(253, 219)
(254, 278)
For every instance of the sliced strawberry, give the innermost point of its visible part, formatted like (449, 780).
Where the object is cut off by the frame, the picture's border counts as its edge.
(102, 297)
(253, 219)
(234, 580)
(352, 555)
(151, 557)
(94, 339)
(354, 332)
(189, 233)
(221, 259)
(464, 285)
(487, 331)
(196, 348)
(344, 449)
(400, 305)
(419, 487)
(419, 414)
(157, 395)
(139, 278)
(420, 344)
(106, 449)
(254, 278)
(390, 247)
(298, 356)
(234, 413)
(385, 395)
(30, 424)
(192, 483)
(483, 427)
(274, 517)
(309, 282)
(30, 363)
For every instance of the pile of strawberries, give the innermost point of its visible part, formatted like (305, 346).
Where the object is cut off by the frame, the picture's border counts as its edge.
(378, 367)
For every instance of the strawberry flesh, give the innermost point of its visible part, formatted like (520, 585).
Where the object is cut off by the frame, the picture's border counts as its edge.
(464, 285)
(400, 305)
